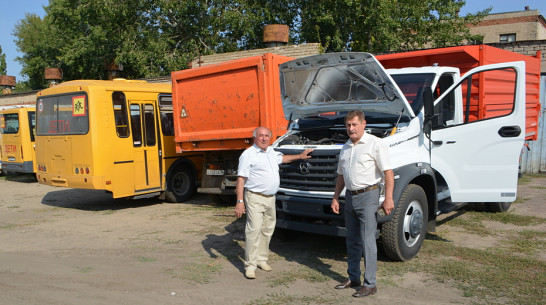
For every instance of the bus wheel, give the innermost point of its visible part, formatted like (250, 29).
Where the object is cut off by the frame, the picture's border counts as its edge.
(497, 207)
(404, 234)
(180, 184)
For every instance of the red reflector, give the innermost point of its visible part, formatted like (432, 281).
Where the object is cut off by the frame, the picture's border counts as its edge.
(213, 166)
(108, 182)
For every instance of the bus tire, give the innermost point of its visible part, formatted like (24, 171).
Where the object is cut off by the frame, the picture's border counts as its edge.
(497, 207)
(404, 234)
(180, 184)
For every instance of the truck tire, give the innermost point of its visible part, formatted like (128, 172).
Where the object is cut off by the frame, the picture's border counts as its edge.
(404, 234)
(497, 207)
(180, 184)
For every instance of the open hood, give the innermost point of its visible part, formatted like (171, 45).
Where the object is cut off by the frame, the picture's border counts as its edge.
(339, 82)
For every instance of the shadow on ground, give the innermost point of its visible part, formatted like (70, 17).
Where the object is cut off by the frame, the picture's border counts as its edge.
(93, 200)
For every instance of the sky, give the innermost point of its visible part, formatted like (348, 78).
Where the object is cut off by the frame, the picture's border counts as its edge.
(12, 11)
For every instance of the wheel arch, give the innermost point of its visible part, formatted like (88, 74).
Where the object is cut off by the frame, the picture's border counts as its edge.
(420, 174)
(182, 161)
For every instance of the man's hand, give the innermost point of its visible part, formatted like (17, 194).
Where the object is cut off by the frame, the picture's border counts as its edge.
(388, 205)
(335, 206)
(305, 154)
(240, 209)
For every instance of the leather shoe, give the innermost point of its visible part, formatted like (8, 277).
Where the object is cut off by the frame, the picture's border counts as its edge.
(348, 284)
(264, 266)
(364, 292)
(250, 274)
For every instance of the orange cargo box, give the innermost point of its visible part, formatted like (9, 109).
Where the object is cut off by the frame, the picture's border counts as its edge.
(216, 107)
(468, 57)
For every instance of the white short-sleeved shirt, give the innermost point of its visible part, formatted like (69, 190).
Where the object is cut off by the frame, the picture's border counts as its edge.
(261, 168)
(362, 164)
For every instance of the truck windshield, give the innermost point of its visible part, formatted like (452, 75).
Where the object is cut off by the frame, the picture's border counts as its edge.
(412, 86)
(63, 114)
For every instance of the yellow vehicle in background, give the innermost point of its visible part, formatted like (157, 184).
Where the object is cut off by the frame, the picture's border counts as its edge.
(17, 150)
(112, 135)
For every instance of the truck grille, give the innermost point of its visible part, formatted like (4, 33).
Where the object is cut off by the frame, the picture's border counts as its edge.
(316, 174)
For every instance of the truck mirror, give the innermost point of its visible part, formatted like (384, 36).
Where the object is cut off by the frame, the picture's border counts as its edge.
(428, 102)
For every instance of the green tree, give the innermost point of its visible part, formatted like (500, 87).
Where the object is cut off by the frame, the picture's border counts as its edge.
(154, 37)
(385, 25)
(3, 65)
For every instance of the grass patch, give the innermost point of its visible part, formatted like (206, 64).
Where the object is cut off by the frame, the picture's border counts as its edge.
(322, 297)
(143, 259)
(473, 221)
(305, 273)
(201, 271)
(495, 275)
(83, 269)
(470, 224)
(527, 242)
(508, 218)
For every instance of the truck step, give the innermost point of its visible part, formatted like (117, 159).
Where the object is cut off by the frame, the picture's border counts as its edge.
(446, 206)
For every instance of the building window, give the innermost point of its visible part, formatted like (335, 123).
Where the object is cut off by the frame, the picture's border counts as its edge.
(506, 38)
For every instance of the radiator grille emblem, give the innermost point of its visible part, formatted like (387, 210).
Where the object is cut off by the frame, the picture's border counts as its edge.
(305, 168)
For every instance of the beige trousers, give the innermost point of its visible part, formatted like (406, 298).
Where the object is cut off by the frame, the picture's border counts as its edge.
(260, 224)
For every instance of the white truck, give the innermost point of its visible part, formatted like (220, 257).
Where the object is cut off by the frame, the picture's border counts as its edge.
(442, 151)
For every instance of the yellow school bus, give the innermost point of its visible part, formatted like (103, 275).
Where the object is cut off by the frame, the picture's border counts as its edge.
(17, 151)
(114, 135)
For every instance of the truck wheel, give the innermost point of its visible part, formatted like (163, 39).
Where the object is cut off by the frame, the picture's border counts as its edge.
(404, 234)
(180, 184)
(497, 207)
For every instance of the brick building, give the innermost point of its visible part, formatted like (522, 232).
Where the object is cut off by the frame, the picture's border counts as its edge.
(522, 32)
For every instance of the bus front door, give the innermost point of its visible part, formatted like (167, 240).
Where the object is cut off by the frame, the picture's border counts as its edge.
(146, 152)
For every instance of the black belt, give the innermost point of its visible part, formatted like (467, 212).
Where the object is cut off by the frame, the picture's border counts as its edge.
(260, 194)
(366, 189)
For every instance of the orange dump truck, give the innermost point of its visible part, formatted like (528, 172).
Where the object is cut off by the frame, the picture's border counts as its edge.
(217, 107)
(467, 57)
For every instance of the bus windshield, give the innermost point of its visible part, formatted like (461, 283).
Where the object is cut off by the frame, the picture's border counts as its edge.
(63, 114)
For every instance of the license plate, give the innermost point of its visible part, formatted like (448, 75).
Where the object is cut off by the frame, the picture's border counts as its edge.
(215, 172)
(11, 159)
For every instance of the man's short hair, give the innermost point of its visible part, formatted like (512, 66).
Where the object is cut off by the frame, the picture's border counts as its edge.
(355, 113)
(255, 132)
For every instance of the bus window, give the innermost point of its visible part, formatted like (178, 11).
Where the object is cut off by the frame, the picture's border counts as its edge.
(10, 123)
(32, 124)
(120, 114)
(63, 115)
(149, 124)
(166, 111)
(136, 128)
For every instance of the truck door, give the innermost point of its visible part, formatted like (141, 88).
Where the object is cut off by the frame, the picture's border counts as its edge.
(478, 156)
(146, 153)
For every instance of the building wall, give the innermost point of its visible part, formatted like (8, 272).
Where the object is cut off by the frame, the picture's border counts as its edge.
(296, 51)
(24, 98)
(530, 48)
(527, 25)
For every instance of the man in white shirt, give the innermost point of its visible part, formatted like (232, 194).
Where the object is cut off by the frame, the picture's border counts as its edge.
(363, 161)
(258, 181)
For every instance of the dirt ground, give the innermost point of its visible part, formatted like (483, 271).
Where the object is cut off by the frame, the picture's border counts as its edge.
(68, 246)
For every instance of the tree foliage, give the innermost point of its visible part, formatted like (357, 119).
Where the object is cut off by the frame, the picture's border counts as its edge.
(3, 64)
(154, 37)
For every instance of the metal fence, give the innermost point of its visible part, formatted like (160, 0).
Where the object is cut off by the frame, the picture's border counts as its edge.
(533, 157)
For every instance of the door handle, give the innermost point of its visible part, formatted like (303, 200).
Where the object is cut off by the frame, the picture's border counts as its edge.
(510, 131)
